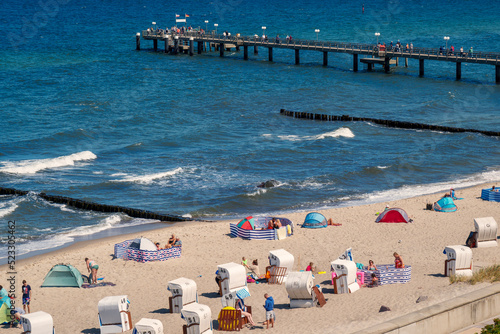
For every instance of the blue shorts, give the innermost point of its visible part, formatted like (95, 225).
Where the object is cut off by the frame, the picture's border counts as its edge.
(26, 301)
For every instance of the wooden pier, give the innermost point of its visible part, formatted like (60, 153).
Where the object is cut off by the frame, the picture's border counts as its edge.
(175, 43)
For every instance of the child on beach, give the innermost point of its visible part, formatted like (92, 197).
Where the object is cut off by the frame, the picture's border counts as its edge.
(244, 262)
(26, 296)
(311, 267)
(374, 282)
(269, 306)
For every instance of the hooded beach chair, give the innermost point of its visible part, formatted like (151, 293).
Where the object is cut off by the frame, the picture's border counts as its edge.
(344, 280)
(198, 319)
(114, 314)
(486, 229)
(148, 326)
(37, 323)
(280, 264)
(459, 261)
(184, 292)
(299, 286)
(233, 277)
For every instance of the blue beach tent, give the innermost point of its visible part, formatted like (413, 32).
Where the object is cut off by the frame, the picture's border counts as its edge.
(445, 204)
(315, 220)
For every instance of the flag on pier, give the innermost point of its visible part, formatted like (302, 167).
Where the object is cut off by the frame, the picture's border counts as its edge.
(177, 15)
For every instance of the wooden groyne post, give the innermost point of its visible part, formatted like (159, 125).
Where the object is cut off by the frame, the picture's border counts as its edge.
(85, 205)
(385, 122)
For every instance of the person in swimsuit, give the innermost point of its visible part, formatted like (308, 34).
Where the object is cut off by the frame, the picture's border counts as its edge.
(92, 268)
(371, 265)
(398, 261)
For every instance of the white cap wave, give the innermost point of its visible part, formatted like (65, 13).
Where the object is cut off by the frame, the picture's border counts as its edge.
(341, 132)
(35, 165)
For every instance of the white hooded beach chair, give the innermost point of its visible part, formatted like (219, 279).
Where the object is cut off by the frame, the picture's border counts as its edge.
(114, 314)
(299, 286)
(486, 229)
(345, 279)
(459, 261)
(198, 318)
(37, 323)
(148, 326)
(280, 264)
(233, 277)
(184, 292)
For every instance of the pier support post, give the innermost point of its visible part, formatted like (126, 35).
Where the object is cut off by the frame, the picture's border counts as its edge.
(221, 49)
(245, 52)
(355, 62)
(138, 41)
(406, 62)
(191, 46)
(166, 45)
(255, 50)
(325, 58)
(270, 54)
(459, 70)
(497, 74)
(176, 45)
(397, 61)
(155, 44)
(237, 47)
(297, 56)
(370, 67)
(421, 67)
(200, 47)
(387, 64)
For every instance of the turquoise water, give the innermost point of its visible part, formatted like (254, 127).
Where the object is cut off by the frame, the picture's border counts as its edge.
(84, 115)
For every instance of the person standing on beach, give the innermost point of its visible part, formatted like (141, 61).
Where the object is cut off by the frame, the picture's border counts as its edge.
(269, 306)
(92, 269)
(26, 296)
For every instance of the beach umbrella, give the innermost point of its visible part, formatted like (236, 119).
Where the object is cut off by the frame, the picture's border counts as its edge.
(247, 223)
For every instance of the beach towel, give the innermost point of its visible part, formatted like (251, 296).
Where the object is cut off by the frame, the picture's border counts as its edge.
(89, 286)
(281, 233)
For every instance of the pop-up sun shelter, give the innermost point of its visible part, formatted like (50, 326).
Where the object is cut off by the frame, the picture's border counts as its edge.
(63, 275)
(4, 307)
(315, 220)
(445, 204)
(394, 215)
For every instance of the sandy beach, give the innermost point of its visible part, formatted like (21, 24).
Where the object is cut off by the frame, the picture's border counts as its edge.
(206, 245)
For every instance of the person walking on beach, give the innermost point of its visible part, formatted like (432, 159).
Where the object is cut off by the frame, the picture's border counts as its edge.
(92, 269)
(269, 306)
(26, 296)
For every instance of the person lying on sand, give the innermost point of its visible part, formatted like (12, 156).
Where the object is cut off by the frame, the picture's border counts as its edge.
(331, 223)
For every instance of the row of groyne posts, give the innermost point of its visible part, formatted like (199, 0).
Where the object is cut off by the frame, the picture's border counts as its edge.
(384, 122)
(374, 55)
(85, 205)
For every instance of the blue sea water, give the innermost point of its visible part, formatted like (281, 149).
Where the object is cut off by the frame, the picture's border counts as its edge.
(86, 116)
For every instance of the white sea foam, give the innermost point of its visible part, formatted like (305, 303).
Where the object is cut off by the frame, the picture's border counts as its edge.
(149, 178)
(382, 167)
(7, 207)
(341, 132)
(33, 166)
(259, 191)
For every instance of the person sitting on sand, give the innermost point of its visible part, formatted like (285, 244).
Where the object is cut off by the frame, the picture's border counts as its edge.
(177, 243)
(92, 268)
(311, 267)
(244, 262)
(157, 244)
(276, 223)
(270, 224)
(331, 223)
(398, 261)
(171, 242)
(371, 265)
(254, 268)
(374, 283)
(493, 189)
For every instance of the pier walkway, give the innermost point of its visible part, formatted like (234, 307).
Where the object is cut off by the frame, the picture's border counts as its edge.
(175, 43)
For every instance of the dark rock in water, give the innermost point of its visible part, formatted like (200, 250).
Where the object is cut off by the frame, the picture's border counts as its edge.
(268, 184)
(384, 308)
(422, 299)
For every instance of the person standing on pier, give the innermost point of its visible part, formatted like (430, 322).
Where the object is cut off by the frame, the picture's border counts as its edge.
(277, 39)
(471, 51)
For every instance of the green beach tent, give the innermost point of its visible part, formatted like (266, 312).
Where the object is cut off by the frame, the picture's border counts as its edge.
(63, 275)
